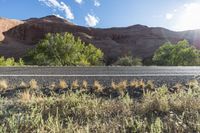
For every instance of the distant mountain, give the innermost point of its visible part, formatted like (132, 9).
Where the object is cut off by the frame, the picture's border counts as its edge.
(142, 41)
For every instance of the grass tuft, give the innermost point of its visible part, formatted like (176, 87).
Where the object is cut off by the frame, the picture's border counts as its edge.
(62, 84)
(97, 86)
(75, 84)
(23, 85)
(3, 84)
(122, 85)
(84, 84)
(33, 84)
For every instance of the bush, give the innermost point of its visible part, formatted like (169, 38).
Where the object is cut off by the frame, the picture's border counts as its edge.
(129, 61)
(10, 62)
(64, 50)
(180, 54)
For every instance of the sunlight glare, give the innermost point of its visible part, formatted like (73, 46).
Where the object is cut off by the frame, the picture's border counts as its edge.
(189, 17)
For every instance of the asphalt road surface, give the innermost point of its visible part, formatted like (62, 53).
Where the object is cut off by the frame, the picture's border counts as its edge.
(46, 75)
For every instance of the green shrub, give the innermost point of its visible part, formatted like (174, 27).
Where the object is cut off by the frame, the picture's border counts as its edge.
(10, 62)
(129, 61)
(64, 50)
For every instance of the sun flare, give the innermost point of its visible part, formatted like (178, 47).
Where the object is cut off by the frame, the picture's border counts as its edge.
(188, 17)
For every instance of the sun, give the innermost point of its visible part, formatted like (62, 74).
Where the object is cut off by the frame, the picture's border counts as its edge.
(189, 17)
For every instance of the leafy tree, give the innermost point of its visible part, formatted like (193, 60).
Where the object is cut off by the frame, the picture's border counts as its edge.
(10, 62)
(180, 54)
(129, 61)
(64, 50)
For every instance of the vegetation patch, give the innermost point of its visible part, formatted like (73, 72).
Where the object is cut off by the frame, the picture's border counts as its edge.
(64, 50)
(80, 107)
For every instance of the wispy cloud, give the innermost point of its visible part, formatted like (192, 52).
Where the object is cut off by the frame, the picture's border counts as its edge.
(79, 1)
(91, 20)
(97, 3)
(61, 6)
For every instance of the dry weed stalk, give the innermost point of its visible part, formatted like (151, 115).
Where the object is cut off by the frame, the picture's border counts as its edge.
(3, 84)
(97, 86)
(33, 84)
(84, 84)
(62, 84)
(75, 84)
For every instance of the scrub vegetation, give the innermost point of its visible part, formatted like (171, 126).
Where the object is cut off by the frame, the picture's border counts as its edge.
(134, 106)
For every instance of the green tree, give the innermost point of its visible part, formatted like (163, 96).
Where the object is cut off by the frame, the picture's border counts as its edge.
(180, 54)
(129, 61)
(64, 50)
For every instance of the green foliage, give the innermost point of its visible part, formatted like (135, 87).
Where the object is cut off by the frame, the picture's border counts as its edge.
(64, 50)
(157, 126)
(180, 54)
(129, 61)
(10, 62)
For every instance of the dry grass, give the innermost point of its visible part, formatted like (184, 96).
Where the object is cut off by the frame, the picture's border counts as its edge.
(3, 84)
(23, 85)
(97, 86)
(25, 96)
(28, 97)
(193, 84)
(177, 87)
(84, 84)
(122, 85)
(62, 84)
(75, 84)
(155, 111)
(52, 86)
(150, 85)
(141, 84)
(113, 85)
(33, 84)
(134, 84)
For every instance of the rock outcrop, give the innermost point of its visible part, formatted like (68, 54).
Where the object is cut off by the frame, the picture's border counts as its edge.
(137, 40)
(7, 24)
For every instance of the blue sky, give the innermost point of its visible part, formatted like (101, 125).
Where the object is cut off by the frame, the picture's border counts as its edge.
(171, 14)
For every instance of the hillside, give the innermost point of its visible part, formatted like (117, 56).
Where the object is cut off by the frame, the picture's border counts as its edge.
(20, 36)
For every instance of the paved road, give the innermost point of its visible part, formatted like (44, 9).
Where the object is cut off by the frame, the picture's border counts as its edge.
(45, 75)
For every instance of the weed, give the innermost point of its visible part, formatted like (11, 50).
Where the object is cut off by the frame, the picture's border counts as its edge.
(134, 84)
(23, 85)
(97, 86)
(113, 85)
(62, 84)
(33, 84)
(84, 84)
(3, 84)
(122, 85)
(75, 84)
(150, 85)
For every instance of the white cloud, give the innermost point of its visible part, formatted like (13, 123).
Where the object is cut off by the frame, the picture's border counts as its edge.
(57, 15)
(91, 20)
(55, 4)
(79, 1)
(97, 3)
(169, 16)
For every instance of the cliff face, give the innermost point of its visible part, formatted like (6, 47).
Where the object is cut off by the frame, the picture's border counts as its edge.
(138, 40)
(7, 24)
